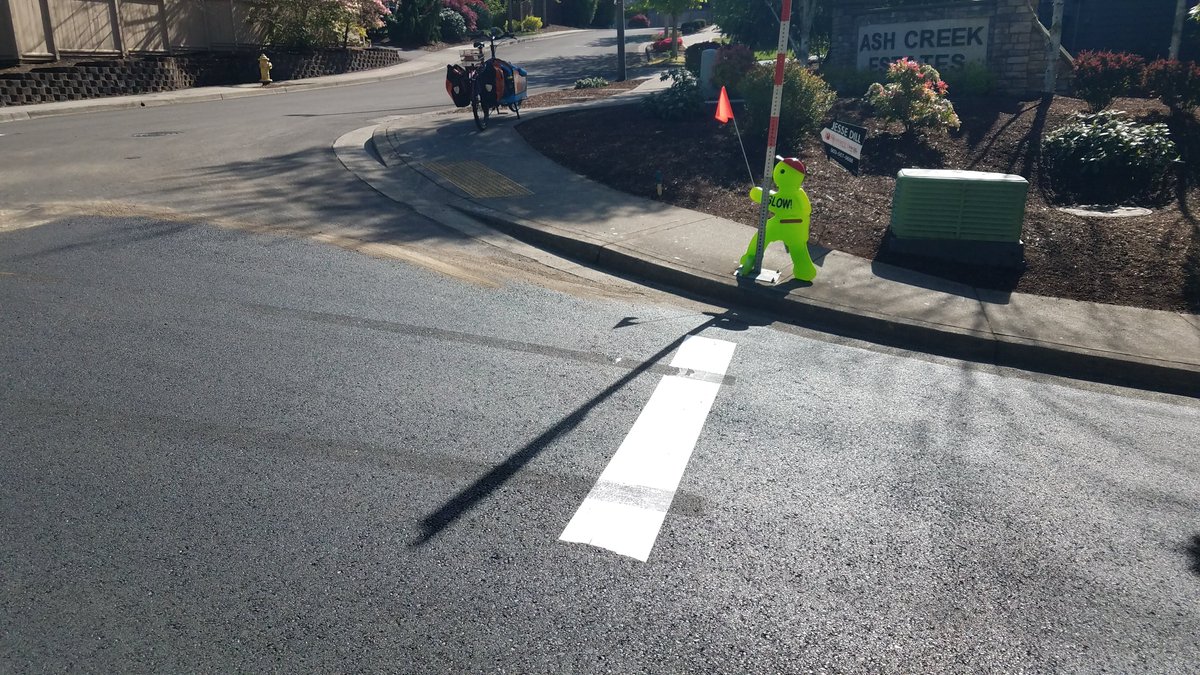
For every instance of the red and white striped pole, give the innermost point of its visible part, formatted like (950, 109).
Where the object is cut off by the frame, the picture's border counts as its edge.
(785, 18)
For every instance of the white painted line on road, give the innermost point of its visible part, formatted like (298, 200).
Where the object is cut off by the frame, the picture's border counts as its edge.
(626, 508)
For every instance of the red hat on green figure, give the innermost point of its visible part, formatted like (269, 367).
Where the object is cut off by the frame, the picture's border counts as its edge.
(793, 162)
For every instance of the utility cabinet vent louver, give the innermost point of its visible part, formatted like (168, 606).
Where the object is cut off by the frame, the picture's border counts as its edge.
(958, 205)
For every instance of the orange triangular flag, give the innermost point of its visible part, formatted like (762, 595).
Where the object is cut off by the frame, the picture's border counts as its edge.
(724, 110)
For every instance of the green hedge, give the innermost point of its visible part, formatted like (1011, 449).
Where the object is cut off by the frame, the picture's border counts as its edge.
(579, 13)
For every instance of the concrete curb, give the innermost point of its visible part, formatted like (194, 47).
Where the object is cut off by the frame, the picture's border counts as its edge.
(408, 184)
(987, 347)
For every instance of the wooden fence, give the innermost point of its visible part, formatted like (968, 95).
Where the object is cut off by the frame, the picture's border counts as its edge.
(46, 30)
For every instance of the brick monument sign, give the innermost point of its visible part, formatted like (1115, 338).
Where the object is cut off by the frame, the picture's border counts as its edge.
(1004, 36)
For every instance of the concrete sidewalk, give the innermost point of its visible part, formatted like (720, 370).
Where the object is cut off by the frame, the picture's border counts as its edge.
(495, 177)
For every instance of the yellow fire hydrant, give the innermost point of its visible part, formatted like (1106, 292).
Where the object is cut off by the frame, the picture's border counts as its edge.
(264, 69)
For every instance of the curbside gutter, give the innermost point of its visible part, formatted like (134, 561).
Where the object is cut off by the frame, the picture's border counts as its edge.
(982, 344)
(978, 346)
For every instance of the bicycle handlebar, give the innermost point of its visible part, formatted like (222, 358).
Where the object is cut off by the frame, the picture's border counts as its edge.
(492, 37)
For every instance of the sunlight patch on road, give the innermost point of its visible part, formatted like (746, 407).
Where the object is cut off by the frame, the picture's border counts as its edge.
(34, 215)
(433, 261)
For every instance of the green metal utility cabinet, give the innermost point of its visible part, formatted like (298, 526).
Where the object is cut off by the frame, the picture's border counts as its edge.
(959, 205)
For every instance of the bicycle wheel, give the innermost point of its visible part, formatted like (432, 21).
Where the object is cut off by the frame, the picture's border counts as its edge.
(480, 111)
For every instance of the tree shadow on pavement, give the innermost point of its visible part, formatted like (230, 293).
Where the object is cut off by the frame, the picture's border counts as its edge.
(306, 192)
(629, 40)
(1193, 551)
(383, 111)
(562, 72)
(141, 230)
(946, 276)
(486, 485)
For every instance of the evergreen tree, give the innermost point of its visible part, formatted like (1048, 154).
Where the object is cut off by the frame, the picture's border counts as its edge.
(415, 22)
(755, 23)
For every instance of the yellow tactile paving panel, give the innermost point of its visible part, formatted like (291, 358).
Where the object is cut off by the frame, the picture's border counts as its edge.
(477, 180)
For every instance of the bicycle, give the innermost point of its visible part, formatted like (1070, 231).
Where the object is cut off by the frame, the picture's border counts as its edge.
(487, 85)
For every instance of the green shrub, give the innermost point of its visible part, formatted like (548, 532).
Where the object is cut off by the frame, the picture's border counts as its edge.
(591, 83)
(606, 15)
(851, 82)
(578, 13)
(1102, 76)
(733, 62)
(531, 24)
(806, 103)
(303, 24)
(691, 55)
(690, 27)
(1176, 84)
(416, 22)
(454, 26)
(1107, 159)
(681, 100)
(973, 79)
(915, 96)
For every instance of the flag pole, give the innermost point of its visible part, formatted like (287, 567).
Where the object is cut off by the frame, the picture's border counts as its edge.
(744, 157)
(785, 18)
(724, 114)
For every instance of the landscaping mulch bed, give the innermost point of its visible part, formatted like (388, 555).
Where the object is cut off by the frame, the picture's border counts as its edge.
(1149, 261)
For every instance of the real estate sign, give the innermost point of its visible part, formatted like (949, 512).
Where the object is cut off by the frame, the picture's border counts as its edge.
(843, 144)
(946, 43)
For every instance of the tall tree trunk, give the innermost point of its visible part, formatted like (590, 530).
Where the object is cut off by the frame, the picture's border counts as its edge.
(673, 35)
(1053, 49)
(806, 19)
(1177, 31)
(621, 74)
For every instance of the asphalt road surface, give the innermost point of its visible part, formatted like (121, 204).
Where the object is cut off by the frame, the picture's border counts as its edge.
(229, 445)
(233, 452)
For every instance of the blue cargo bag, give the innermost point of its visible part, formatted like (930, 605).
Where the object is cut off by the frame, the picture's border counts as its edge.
(513, 77)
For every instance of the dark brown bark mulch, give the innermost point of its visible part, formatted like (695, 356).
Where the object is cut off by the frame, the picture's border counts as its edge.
(1148, 261)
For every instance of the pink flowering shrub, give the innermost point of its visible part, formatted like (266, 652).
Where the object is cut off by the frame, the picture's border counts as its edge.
(663, 44)
(367, 13)
(468, 9)
(915, 96)
(316, 24)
